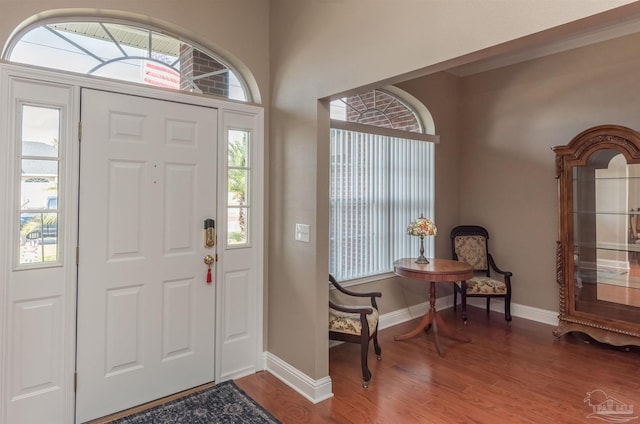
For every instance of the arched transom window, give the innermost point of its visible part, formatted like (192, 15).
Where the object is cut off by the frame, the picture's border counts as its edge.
(129, 53)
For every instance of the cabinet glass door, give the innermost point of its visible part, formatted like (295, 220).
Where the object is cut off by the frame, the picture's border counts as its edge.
(606, 234)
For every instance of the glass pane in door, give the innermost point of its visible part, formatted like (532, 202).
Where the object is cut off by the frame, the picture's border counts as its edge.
(238, 193)
(39, 179)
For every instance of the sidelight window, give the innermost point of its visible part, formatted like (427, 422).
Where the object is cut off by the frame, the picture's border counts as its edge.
(238, 193)
(39, 179)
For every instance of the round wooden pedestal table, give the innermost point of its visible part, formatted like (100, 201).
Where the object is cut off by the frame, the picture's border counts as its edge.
(436, 271)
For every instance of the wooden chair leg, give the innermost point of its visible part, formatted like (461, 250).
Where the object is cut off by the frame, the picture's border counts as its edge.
(455, 297)
(488, 305)
(463, 301)
(376, 346)
(507, 308)
(364, 352)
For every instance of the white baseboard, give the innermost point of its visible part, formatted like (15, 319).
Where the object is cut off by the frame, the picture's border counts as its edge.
(416, 311)
(313, 390)
(517, 310)
(319, 390)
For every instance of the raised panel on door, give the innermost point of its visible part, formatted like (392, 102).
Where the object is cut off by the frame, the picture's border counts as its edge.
(125, 197)
(36, 340)
(178, 330)
(239, 323)
(123, 330)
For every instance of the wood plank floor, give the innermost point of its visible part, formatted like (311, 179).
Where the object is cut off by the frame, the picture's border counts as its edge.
(517, 374)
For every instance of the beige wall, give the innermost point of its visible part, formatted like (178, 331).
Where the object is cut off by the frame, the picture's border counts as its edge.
(322, 48)
(495, 157)
(513, 116)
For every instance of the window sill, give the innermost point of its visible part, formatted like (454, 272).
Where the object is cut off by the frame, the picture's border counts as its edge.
(366, 280)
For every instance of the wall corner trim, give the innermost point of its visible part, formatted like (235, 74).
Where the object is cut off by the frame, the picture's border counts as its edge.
(313, 390)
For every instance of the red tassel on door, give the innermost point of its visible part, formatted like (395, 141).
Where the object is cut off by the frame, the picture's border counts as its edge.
(209, 275)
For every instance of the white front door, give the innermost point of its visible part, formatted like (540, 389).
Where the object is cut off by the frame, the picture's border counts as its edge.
(146, 313)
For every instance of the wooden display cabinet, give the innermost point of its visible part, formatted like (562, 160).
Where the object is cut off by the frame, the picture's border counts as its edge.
(598, 248)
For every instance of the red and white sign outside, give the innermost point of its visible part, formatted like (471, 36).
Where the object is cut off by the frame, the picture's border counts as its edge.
(160, 76)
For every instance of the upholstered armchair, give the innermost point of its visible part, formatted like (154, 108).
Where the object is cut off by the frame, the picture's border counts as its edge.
(356, 324)
(470, 244)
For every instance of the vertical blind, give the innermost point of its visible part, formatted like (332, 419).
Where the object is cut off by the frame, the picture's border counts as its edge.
(379, 184)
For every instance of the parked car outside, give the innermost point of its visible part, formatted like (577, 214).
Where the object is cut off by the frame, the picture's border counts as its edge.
(40, 226)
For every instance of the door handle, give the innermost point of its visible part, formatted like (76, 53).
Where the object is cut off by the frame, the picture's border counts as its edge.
(208, 260)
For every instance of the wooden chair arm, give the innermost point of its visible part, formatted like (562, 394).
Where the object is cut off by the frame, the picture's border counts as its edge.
(351, 309)
(352, 293)
(506, 274)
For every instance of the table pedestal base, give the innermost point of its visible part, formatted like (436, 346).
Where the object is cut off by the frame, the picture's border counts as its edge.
(432, 320)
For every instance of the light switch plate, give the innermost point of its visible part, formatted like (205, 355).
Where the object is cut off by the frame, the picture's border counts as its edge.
(302, 232)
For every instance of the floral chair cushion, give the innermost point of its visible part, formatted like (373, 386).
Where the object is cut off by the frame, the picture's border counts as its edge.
(484, 285)
(472, 250)
(349, 323)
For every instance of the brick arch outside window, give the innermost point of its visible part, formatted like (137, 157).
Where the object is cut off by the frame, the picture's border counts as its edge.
(381, 109)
